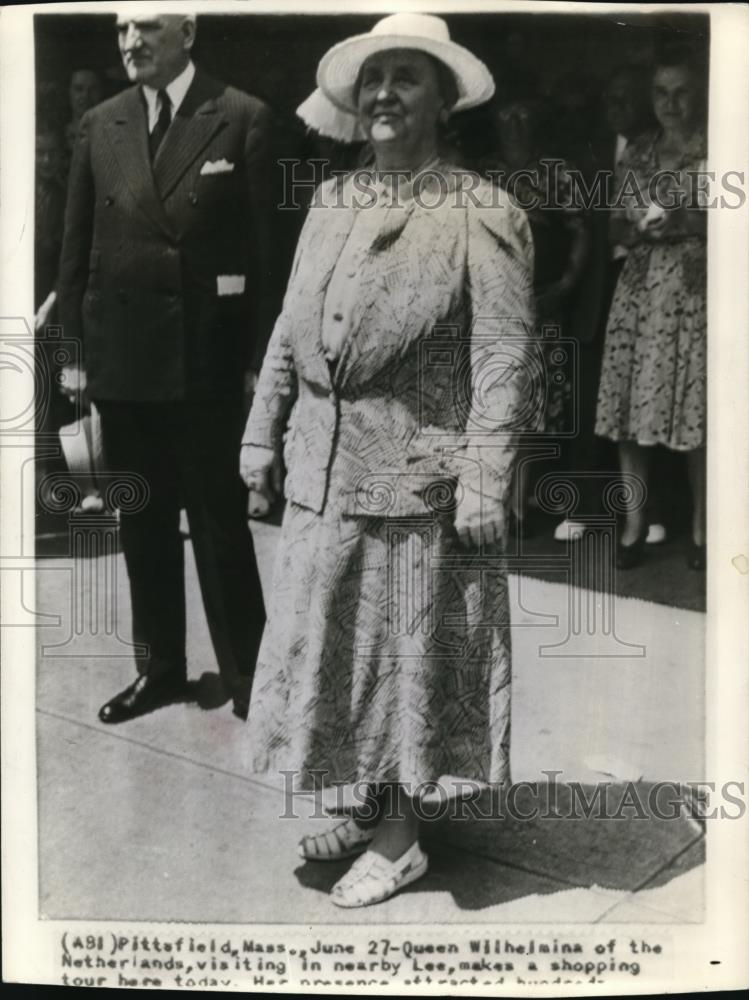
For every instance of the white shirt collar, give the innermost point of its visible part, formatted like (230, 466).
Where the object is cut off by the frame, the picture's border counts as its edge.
(176, 90)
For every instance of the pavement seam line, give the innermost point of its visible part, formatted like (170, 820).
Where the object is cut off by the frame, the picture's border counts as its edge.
(669, 863)
(632, 898)
(632, 895)
(164, 753)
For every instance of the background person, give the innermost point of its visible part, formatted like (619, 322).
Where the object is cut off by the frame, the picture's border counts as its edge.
(84, 92)
(626, 113)
(653, 379)
(538, 180)
(49, 215)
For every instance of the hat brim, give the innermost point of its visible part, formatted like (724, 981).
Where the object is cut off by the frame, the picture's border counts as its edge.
(339, 67)
(329, 120)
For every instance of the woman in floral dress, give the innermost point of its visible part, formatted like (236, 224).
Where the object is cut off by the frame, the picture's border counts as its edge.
(653, 379)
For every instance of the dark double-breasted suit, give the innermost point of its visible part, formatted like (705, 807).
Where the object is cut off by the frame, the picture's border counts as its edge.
(164, 278)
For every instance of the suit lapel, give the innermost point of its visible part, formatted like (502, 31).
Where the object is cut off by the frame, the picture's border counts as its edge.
(128, 135)
(196, 122)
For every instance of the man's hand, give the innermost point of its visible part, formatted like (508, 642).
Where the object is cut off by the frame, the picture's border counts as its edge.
(250, 384)
(73, 384)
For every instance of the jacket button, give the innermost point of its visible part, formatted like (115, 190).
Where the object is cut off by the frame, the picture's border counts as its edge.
(109, 200)
(192, 198)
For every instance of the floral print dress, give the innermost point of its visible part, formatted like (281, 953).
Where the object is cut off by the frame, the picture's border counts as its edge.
(654, 372)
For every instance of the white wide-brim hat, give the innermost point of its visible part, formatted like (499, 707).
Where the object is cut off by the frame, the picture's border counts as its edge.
(340, 66)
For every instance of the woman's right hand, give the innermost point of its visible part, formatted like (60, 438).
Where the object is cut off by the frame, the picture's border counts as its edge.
(261, 469)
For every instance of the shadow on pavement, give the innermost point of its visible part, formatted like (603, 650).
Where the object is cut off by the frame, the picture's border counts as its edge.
(622, 837)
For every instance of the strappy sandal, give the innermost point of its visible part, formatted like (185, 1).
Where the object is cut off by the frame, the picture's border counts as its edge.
(372, 878)
(344, 840)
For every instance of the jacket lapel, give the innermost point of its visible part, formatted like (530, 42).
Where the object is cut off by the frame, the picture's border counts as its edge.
(323, 239)
(128, 135)
(405, 233)
(197, 120)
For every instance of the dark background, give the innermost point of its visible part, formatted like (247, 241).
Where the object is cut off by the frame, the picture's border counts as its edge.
(275, 57)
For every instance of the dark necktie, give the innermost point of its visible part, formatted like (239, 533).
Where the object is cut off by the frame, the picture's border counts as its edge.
(162, 123)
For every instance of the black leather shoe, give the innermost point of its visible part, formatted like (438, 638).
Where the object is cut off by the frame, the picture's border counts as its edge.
(696, 556)
(144, 695)
(241, 707)
(629, 556)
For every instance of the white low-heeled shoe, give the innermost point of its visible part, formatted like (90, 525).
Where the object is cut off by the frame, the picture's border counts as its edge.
(373, 879)
(656, 534)
(344, 840)
(569, 531)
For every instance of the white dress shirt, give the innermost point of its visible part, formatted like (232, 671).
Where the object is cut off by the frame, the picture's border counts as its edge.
(175, 90)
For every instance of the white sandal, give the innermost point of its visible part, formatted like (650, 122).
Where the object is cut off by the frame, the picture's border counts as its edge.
(372, 878)
(344, 840)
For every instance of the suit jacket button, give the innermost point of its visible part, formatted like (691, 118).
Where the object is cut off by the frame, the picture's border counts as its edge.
(192, 198)
(109, 200)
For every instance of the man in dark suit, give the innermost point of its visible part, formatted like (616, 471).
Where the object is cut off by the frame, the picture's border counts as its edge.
(626, 103)
(163, 278)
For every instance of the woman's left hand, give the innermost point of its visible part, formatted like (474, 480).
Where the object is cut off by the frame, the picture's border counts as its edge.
(658, 228)
(477, 527)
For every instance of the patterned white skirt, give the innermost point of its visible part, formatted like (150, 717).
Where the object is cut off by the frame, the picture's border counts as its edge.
(386, 656)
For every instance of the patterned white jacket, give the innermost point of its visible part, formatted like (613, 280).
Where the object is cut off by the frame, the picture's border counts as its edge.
(438, 374)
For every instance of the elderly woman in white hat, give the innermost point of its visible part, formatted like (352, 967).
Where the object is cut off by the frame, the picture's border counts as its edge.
(402, 348)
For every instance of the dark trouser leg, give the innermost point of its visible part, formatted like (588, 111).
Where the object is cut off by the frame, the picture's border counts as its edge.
(584, 448)
(588, 453)
(216, 503)
(137, 440)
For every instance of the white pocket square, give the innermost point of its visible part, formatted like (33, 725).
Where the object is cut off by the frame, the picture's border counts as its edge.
(230, 284)
(216, 167)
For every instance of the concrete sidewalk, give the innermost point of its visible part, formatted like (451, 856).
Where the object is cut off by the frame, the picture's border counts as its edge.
(159, 819)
